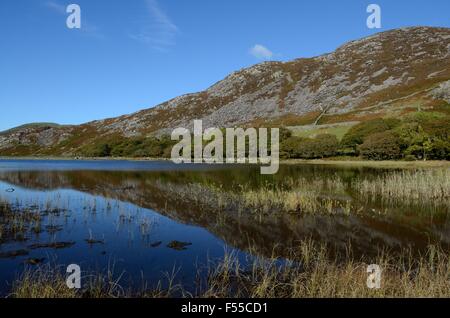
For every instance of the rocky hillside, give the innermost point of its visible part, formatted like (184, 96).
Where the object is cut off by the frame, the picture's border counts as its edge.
(387, 74)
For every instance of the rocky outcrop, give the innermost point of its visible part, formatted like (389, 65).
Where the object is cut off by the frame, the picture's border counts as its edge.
(380, 74)
(442, 92)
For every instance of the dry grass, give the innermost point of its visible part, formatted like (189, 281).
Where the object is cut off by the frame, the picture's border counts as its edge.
(409, 186)
(314, 274)
(299, 195)
(311, 272)
(14, 223)
(322, 196)
(42, 283)
(295, 195)
(49, 282)
(357, 162)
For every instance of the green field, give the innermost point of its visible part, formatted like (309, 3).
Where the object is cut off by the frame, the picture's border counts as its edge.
(311, 131)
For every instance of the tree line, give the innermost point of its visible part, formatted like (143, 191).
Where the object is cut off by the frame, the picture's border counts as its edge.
(416, 136)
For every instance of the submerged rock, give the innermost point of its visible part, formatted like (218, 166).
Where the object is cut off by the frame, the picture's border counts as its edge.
(34, 261)
(179, 246)
(92, 241)
(13, 254)
(52, 229)
(55, 245)
(156, 244)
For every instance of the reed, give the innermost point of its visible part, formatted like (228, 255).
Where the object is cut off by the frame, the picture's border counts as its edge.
(293, 196)
(311, 271)
(315, 274)
(431, 185)
(14, 223)
(48, 281)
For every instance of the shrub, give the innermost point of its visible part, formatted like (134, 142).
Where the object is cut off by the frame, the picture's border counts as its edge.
(322, 146)
(439, 149)
(285, 134)
(289, 147)
(356, 135)
(381, 146)
(426, 140)
(423, 117)
(98, 150)
(410, 158)
(119, 146)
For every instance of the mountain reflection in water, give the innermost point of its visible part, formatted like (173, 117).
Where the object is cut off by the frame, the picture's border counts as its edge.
(135, 215)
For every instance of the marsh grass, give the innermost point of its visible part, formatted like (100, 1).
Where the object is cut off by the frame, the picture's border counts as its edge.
(329, 196)
(268, 201)
(41, 283)
(311, 271)
(432, 186)
(299, 196)
(296, 196)
(14, 223)
(48, 281)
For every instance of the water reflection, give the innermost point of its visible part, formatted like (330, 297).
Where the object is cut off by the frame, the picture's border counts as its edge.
(134, 215)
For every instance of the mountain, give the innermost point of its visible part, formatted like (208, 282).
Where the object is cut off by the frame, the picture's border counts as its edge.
(387, 74)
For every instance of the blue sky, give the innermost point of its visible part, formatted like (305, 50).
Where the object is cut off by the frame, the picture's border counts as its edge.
(134, 54)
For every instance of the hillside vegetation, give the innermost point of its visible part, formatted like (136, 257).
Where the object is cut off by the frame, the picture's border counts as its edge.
(388, 75)
(416, 136)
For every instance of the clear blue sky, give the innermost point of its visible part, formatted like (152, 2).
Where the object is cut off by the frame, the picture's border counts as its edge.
(134, 54)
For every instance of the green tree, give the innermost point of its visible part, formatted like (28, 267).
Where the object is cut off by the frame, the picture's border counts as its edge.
(356, 135)
(322, 146)
(381, 146)
(104, 150)
(289, 147)
(285, 134)
(414, 140)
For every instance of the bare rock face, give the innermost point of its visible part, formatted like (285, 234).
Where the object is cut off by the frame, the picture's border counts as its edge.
(37, 136)
(369, 77)
(442, 92)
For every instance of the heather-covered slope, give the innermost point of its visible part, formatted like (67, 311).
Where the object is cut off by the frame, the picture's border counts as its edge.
(390, 73)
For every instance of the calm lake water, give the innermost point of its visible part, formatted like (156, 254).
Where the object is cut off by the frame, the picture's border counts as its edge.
(130, 217)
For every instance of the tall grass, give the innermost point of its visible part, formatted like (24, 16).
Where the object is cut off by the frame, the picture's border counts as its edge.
(311, 272)
(432, 185)
(293, 196)
(49, 282)
(316, 275)
(14, 223)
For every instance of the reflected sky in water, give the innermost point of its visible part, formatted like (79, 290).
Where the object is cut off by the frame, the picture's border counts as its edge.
(126, 207)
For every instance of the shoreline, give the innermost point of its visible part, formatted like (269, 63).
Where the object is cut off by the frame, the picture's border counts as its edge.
(350, 162)
(371, 163)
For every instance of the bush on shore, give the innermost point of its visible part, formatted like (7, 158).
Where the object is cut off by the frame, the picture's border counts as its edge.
(322, 146)
(418, 136)
(381, 146)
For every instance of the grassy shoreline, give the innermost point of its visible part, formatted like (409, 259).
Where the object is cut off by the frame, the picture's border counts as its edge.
(310, 272)
(355, 162)
(373, 164)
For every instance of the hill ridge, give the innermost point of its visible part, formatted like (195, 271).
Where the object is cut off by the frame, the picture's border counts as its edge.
(388, 73)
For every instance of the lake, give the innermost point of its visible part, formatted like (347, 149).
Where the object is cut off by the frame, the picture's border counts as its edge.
(146, 219)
